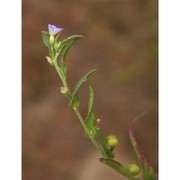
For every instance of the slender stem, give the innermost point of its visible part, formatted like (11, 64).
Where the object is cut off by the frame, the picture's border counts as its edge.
(85, 127)
(63, 78)
(88, 133)
(60, 72)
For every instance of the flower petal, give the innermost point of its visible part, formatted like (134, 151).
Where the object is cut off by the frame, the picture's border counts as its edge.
(53, 29)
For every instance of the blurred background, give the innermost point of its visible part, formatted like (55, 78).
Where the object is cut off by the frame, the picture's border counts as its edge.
(121, 43)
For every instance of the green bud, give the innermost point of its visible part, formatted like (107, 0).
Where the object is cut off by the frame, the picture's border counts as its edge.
(64, 90)
(134, 169)
(112, 141)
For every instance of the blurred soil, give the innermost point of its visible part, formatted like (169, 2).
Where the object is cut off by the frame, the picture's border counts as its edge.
(121, 43)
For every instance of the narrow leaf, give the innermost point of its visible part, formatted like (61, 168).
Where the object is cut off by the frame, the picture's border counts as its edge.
(135, 145)
(102, 138)
(91, 100)
(148, 172)
(68, 47)
(76, 100)
(118, 167)
(60, 48)
(79, 84)
(90, 119)
(72, 37)
(64, 68)
(56, 37)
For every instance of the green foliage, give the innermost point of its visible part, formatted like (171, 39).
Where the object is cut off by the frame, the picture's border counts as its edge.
(67, 48)
(75, 97)
(91, 123)
(60, 48)
(73, 37)
(72, 40)
(56, 37)
(103, 142)
(90, 119)
(148, 172)
(91, 100)
(45, 38)
(118, 167)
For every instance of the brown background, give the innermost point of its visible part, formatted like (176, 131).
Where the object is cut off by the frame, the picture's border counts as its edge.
(121, 43)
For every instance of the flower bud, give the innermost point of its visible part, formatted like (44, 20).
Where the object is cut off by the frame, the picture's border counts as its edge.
(98, 120)
(134, 169)
(64, 90)
(112, 141)
(49, 60)
(51, 39)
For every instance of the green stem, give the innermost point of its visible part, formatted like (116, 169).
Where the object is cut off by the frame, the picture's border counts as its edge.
(60, 72)
(63, 78)
(88, 133)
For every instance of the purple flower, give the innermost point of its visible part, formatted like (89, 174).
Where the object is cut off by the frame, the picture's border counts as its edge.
(53, 30)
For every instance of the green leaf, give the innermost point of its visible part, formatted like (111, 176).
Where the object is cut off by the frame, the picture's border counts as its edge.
(64, 68)
(78, 86)
(66, 46)
(60, 48)
(118, 167)
(72, 40)
(76, 101)
(72, 37)
(91, 123)
(91, 100)
(56, 42)
(56, 37)
(102, 140)
(46, 40)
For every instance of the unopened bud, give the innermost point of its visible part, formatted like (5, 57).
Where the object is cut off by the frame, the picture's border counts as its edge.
(49, 60)
(134, 169)
(98, 120)
(64, 90)
(112, 141)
